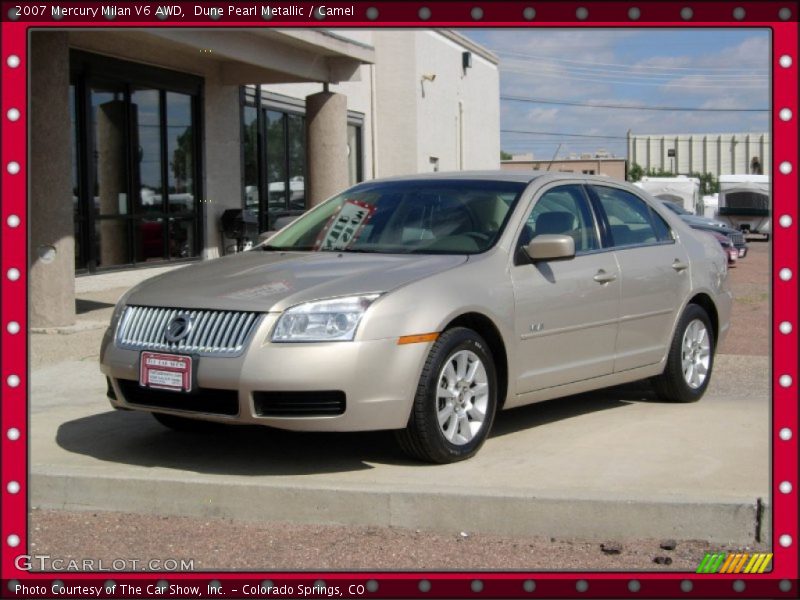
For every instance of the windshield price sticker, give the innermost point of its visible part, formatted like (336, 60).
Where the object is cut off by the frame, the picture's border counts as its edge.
(344, 227)
(166, 371)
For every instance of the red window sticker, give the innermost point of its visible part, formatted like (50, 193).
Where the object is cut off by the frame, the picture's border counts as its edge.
(344, 227)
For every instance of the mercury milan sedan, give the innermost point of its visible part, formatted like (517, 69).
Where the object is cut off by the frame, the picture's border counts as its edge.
(424, 305)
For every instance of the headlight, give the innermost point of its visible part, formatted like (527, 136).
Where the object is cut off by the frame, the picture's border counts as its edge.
(334, 320)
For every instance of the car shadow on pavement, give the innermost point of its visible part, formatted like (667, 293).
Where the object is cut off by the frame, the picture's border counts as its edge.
(134, 438)
(560, 409)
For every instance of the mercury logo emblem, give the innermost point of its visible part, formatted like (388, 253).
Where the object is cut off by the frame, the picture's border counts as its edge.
(178, 328)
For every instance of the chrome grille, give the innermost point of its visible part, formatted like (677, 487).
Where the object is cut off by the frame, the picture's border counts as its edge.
(213, 332)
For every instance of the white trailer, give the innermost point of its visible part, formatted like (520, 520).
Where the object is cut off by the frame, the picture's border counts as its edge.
(683, 191)
(745, 202)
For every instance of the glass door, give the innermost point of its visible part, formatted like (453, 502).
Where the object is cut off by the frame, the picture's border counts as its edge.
(134, 173)
(148, 179)
(109, 173)
(180, 175)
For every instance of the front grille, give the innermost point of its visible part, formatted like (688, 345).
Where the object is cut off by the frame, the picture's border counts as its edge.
(202, 400)
(213, 332)
(736, 238)
(299, 404)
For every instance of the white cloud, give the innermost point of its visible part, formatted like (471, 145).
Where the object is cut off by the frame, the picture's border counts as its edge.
(590, 65)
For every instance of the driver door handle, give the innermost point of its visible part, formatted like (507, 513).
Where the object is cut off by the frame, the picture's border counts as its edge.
(603, 277)
(679, 266)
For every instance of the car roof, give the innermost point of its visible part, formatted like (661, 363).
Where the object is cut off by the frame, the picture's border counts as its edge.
(498, 175)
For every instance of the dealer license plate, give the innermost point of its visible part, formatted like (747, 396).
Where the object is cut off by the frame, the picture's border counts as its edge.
(165, 371)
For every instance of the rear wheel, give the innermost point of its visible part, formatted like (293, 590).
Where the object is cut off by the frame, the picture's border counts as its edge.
(690, 360)
(455, 401)
(183, 424)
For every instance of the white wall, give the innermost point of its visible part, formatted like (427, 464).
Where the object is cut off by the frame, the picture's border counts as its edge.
(459, 112)
(720, 154)
(396, 112)
(403, 128)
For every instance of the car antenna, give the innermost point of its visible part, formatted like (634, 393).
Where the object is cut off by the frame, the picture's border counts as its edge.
(550, 164)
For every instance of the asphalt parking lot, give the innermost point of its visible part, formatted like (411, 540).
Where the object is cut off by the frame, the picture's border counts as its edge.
(610, 464)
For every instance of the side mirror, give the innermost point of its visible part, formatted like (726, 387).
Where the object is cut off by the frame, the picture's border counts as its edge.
(550, 247)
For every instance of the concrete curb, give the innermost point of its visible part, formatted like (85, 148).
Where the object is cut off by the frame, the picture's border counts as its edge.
(508, 513)
(78, 327)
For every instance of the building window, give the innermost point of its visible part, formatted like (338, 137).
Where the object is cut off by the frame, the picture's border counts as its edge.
(135, 169)
(354, 154)
(274, 155)
(250, 156)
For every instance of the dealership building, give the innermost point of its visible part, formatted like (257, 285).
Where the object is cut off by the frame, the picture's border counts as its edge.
(140, 139)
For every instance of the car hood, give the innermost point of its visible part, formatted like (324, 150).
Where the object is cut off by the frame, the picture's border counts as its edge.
(272, 281)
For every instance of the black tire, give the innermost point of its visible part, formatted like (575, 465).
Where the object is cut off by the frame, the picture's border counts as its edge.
(184, 424)
(671, 385)
(423, 438)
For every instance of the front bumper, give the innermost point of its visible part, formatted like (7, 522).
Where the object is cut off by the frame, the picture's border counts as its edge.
(378, 378)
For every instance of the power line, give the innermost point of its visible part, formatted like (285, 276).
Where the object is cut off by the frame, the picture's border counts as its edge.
(607, 137)
(636, 73)
(528, 142)
(747, 83)
(589, 63)
(580, 135)
(634, 107)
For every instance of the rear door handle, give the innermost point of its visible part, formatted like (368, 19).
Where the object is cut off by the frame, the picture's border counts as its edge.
(679, 266)
(603, 277)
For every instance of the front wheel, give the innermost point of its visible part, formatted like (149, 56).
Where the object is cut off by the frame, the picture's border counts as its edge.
(690, 359)
(455, 401)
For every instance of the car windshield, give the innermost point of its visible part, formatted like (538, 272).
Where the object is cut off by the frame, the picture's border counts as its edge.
(422, 217)
(677, 209)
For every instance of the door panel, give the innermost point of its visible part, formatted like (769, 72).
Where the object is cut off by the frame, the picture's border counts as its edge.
(652, 292)
(566, 310)
(576, 317)
(654, 271)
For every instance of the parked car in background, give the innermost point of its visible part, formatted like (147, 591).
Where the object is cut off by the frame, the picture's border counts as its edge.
(730, 250)
(735, 237)
(424, 305)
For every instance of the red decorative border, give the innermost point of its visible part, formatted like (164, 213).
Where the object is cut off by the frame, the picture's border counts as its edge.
(13, 240)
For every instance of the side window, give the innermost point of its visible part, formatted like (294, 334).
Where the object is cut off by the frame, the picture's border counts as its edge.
(663, 230)
(563, 210)
(629, 218)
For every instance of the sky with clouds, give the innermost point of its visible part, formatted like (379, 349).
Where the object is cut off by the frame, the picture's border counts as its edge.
(705, 68)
